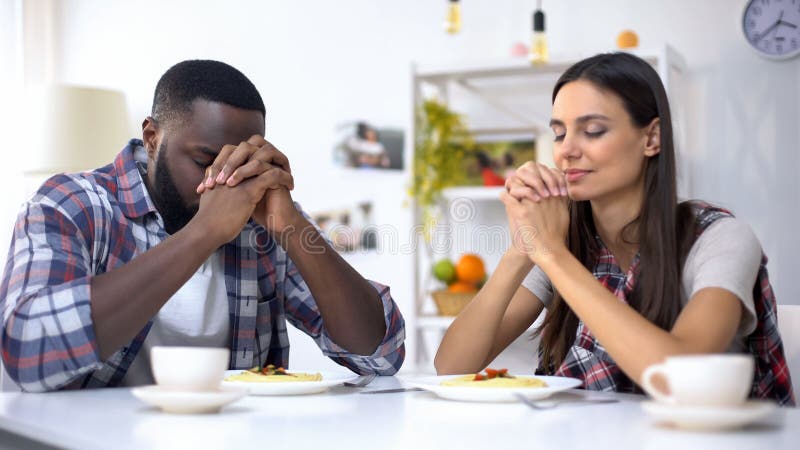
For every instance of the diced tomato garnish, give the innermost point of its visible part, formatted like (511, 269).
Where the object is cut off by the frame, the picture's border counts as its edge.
(479, 377)
(502, 373)
(491, 373)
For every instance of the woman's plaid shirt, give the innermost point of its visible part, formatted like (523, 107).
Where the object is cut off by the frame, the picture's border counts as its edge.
(588, 360)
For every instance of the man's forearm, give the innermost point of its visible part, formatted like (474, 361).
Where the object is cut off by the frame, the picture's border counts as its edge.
(125, 299)
(351, 308)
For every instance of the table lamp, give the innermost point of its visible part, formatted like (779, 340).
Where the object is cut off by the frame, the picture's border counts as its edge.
(72, 128)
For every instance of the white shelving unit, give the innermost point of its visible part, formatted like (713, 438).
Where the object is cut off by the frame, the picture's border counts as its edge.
(477, 193)
(434, 322)
(506, 97)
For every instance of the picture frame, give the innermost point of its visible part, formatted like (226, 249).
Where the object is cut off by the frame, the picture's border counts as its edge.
(361, 145)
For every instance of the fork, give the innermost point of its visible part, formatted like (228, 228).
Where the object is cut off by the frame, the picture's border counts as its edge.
(551, 405)
(361, 381)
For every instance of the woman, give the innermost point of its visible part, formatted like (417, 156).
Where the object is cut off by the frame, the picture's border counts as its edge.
(627, 274)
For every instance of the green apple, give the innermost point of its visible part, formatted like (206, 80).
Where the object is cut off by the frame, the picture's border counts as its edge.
(444, 270)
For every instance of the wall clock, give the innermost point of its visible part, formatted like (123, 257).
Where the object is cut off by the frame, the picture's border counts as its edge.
(772, 27)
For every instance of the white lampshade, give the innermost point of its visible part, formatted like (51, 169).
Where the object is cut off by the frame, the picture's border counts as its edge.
(72, 128)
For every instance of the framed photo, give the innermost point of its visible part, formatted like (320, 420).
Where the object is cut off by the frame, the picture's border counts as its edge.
(350, 228)
(494, 156)
(363, 146)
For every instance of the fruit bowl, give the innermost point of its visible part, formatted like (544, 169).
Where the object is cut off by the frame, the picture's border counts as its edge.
(451, 303)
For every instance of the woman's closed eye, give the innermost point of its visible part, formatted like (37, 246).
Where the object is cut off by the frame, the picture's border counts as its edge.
(558, 133)
(594, 134)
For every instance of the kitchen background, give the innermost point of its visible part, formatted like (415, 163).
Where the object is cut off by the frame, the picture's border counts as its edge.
(319, 64)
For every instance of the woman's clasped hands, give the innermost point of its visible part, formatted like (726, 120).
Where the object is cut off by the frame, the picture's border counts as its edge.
(536, 199)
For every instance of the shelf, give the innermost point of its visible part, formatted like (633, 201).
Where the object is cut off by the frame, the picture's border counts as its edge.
(502, 68)
(435, 322)
(473, 193)
(509, 67)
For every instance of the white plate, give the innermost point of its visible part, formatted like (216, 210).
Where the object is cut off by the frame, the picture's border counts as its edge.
(187, 402)
(708, 418)
(291, 387)
(483, 394)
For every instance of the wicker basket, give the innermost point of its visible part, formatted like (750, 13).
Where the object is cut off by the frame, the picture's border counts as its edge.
(451, 303)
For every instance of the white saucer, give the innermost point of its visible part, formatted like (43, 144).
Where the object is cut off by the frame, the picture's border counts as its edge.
(188, 402)
(709, 418)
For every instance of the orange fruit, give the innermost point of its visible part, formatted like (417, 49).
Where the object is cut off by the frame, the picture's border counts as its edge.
(627, 39)
(462, 286)
(470, 269)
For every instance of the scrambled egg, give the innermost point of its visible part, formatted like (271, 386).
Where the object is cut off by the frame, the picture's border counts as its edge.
(499, 382)
(252, 377)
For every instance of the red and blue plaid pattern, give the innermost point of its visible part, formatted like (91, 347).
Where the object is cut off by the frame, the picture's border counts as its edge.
(587, 360)
(80, 225)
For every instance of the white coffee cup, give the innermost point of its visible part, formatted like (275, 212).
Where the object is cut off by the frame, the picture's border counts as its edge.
(702, 380)
(189, 368)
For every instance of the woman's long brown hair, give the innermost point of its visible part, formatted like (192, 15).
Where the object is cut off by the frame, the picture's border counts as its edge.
(665, 229)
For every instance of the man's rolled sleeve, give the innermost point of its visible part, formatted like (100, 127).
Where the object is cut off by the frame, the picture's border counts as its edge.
(303, 313)
(47, 337)
(388, 357)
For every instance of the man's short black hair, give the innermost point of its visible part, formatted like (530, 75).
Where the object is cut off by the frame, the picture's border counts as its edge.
(209, 80)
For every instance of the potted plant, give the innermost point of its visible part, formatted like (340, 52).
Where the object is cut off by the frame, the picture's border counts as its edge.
(441, 141)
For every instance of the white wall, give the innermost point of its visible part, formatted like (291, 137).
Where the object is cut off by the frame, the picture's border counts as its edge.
(319, 62)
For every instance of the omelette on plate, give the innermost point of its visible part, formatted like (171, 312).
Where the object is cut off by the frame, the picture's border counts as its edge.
(492, 378)
(271, 374)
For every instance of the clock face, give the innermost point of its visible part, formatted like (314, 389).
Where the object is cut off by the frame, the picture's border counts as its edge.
(772, 27)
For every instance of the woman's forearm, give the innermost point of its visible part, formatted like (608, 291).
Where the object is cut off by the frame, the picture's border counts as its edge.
(471, 337)
(633, 341)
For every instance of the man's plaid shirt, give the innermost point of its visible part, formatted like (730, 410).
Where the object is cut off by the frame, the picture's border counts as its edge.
(80, 225)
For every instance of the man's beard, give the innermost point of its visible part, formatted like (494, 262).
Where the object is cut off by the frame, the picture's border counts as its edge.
(167, 198)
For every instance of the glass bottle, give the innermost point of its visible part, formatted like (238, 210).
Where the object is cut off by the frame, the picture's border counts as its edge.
(538, 53)
(453, 22)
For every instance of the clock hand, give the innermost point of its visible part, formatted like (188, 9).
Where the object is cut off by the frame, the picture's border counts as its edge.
(788, 24)
(768, 31)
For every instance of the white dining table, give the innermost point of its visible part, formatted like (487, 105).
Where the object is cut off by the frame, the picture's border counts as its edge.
(344, 418)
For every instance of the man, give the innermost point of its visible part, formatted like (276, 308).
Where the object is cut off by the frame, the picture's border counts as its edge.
(189, 238)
